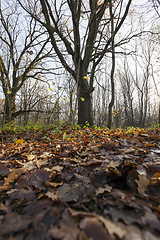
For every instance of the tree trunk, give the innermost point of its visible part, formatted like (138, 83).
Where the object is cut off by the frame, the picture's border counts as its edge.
(112, 70)
(84, 108)
(9, 108)
(159, 114)
(84, 96)
(84, 99)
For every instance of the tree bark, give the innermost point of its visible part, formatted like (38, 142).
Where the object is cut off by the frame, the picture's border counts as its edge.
(84, 99)
(9, 108)
(84, 108)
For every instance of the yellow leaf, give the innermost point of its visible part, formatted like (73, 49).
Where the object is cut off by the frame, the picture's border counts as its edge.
(53, 83)
(72, 92)
(50, 89)
(85, 77)
(82, 99)
(100, 2)
(19, 141)
(59, 88)
(9, 91)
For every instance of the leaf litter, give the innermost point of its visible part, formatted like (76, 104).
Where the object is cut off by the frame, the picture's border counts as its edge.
(91, 184)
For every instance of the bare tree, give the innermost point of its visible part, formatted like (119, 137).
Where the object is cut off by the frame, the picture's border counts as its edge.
(81, 35)
(24, 46)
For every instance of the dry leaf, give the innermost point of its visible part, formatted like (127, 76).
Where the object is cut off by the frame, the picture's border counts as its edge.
(57, 169)
(52, 195)
(29, 165)
(69, 193)
(102, 190)
(30, 157)
(94, 228)
(53, 184)
(4, 188)
(19, 141)
(68, 228)
(46, 155)
(112, 227)
(19, 171)
(11, 177)
(142, 184)
(41, 163)
(83, 236)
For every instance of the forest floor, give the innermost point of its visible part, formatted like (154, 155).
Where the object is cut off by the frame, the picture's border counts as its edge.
(80, 184)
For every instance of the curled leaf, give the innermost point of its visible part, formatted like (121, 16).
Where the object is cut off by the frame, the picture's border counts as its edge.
(85, 77)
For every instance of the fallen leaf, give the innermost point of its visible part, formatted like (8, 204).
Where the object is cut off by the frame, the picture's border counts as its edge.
(52, 195)
(142, 184)
(57, 169)
(41, 163)
(53, 184)
(4, 188)
(18, 171)
(30, 157)
(3, 170)
(22, 194)
(11, 177)
(102, 190)
(69, 193)
(13, 222)
(19, 141)
(94, 229)
(83, 236)
(68, 228)
(112, 227)
(28, 165)
(46, 155)
(155, 179)
(151, 220)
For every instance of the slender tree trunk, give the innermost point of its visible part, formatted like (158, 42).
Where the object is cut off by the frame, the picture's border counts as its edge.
(71, 107)
(112, 71)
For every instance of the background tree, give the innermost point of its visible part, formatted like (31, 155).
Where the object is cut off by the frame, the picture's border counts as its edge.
(24, 46)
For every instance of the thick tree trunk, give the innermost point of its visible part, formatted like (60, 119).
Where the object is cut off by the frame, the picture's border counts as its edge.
(9, 108)
(84, 108)
(84, 96)
(84, 99)
(159, 111)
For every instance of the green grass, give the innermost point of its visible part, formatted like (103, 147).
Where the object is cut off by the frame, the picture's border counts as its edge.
(14, 127)
(61, 126)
